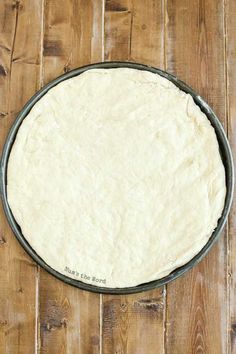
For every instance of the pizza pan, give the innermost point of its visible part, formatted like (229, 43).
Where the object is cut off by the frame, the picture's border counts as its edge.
(224, 151)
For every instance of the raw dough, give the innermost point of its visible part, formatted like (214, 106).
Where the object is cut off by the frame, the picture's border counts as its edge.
(115, 177)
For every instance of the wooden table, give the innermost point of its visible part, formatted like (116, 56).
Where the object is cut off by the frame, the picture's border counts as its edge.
(193, 39)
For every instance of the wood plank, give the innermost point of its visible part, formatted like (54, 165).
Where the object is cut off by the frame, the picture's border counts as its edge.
(73, 35)
(231, 110)
(134, 323)
(196, 303)
(70, 318)
(19, 79)
(118, 35)
(147, 44)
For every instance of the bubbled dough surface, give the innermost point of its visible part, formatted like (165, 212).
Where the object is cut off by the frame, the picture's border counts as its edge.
(116, 174)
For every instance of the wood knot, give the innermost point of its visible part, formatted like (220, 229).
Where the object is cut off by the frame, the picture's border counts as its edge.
(3, 115)
(3, 323)
(54, 324)
(2, 239)
(17, 4)
(66, 68)
(3, 70)
(52, 48)
(55, 317)
(63, 323)
(233, 327)
(114, 6)
(233, 333)
(123, 307)
(153, 305)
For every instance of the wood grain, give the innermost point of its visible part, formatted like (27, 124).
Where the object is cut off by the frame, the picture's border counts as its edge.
(196, 303)
(72, 36)
(41, 39)
(19, 79)
(69, 318)
(230, 23)
(134, 324)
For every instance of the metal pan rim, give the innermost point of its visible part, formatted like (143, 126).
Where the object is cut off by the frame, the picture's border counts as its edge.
(226, 158)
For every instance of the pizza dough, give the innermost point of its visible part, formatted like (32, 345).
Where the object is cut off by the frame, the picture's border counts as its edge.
(115, 177)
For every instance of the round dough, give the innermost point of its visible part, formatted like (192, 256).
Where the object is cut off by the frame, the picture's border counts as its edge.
(115, 177)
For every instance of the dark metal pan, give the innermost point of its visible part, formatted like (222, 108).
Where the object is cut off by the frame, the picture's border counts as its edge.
(225, 154)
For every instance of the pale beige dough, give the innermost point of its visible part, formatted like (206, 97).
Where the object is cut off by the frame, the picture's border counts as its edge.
(116, 174)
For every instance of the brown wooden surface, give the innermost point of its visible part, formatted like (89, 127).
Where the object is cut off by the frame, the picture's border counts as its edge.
(197, 303)
(230, 26)
(195, 40)
(19, 61)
